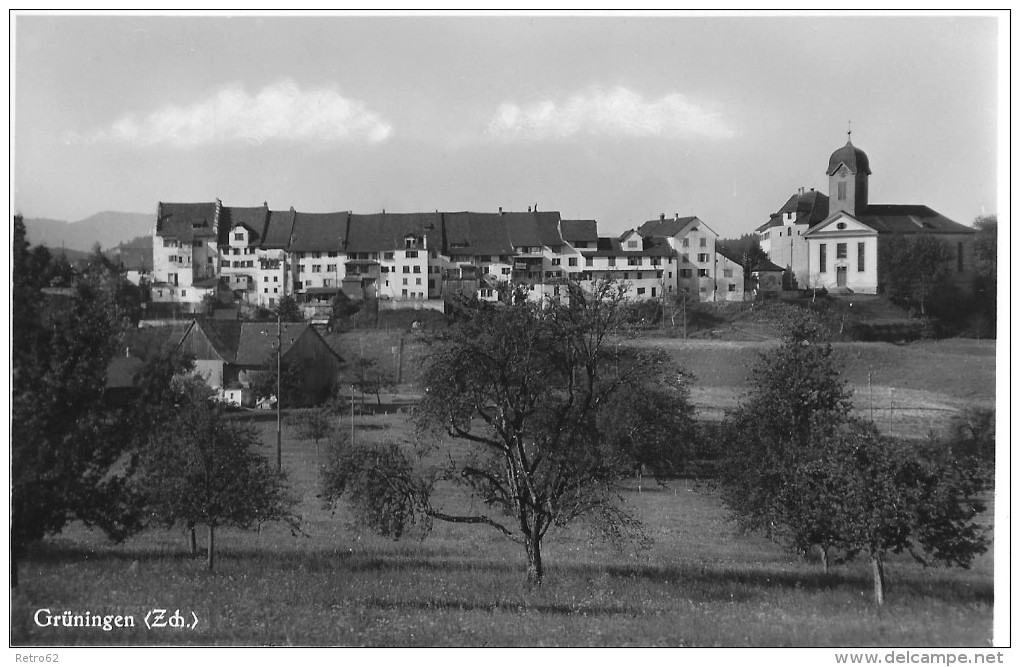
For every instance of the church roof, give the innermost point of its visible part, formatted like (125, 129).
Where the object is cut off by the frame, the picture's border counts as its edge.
(854, 158)
(903, 219)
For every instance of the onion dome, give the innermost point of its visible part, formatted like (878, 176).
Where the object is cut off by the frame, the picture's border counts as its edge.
(854, 158)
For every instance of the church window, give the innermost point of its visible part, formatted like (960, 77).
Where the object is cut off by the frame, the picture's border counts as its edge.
(840, 251)
(841, 191)
(860, 256)
(821, 258)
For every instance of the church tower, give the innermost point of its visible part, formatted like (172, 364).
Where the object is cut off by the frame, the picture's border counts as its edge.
(848, 180)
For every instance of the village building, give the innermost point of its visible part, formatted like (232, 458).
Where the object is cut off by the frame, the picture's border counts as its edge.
(228, 355)
(782, 237)
(694, 244)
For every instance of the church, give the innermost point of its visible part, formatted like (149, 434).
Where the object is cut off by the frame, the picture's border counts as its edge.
(836, 242)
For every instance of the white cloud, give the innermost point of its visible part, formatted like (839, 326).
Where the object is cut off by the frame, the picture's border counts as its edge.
(615, 112)
(279, 112)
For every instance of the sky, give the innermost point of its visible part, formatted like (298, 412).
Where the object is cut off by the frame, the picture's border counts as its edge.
(617, 118)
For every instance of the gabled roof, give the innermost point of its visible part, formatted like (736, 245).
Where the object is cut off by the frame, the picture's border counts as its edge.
(901, 219)
(187, 222)
(534, 228)
(579, 230)
(279, 226)
(910, 218)
(665, 227)
(729, 254)
(810, 208)
(611, 247)
(252, 217)
(318, 232)
(379, 232)
(476, 234)
(257, 340)
(767, 265)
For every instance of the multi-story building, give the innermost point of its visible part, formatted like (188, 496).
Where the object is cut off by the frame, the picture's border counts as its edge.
(694, 244)
(643, 264)
(185, 257)
(782, 237)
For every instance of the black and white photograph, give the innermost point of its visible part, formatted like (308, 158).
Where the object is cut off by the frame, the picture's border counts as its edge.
(507, 330)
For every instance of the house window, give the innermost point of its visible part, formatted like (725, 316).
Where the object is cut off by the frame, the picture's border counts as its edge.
(411, 253)
(733, 287)
(640, 290)
(840, 251)
(653, 291)
(639, 275)
(316, 268)
(239, 236)
(505, 271)
(686, 243)
(702, 256)
(821, 258)
(276, 279)
(860, 256)
(556, 261)
(417, 281)
(403, 293)
(727, 273)
(632, 244)
(387, 255)
(612, 261)
(841, 191)
(417, 269)
(331, 267)
(384, 269)
(276, 290)
(626, 276)
(702, 273)
(159, 292)
(184, 292)
(588, 261)
(685, 273)
(572, 261)
(405, 282)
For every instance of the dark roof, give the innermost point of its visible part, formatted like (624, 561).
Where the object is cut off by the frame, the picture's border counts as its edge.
(910, 219)
(811, 208)
(476, 234)
(186, 222)
(767, 265)
(121, 372)
(729, 254)
(379, 232)
(579, 230)
(664, 227)
(252, 217)
(854, 158)
(279, 225)
(318, 232)
(258, 340)
(534, 228)
(222, 335)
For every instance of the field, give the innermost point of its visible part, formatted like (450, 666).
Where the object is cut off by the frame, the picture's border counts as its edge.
(699, 584)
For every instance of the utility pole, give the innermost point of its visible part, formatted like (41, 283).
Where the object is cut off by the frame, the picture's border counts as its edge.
(352, 415)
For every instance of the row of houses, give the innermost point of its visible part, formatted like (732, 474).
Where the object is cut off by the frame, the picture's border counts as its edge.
(261, 254)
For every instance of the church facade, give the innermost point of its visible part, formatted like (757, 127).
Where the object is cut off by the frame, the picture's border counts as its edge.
(843, 251)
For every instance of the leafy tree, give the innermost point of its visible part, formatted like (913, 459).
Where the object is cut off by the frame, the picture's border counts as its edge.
(287, 309)
(971, 437)
(343, 308)
(263, 382)
(914, 268)
(65, 441)
(887, 497)
(315, 425)
(368, 378)
(796, 395)
(202, 468)
(522, 387)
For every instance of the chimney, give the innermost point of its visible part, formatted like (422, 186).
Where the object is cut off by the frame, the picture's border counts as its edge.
(662, 216)
(529, 209)
(384, 211)
(536, 207)
(812, 189)
(676, 216)
(501, 210)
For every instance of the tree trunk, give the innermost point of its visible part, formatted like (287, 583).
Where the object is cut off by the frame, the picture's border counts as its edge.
(209, 560)
(824, 553)
(879, 575)
(192, 542)
(535, 570)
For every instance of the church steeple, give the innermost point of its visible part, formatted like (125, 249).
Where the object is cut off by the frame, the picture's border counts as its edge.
(848, 173)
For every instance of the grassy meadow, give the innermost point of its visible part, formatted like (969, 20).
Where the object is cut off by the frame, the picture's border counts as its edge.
(699, 584)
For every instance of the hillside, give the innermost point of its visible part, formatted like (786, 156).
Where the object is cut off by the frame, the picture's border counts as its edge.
(108, 228)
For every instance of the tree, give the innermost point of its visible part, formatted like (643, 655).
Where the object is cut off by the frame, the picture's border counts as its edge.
(287, 309)
(888, 497)
(522, 386)
(986, 271)
(342, 310)
(202, 468)
(65, 440)
(315, 425)
(914, 268)
(368, 378)
(796, 395)
(263, 381)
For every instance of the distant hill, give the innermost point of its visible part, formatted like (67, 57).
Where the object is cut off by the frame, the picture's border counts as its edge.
(109, 229)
